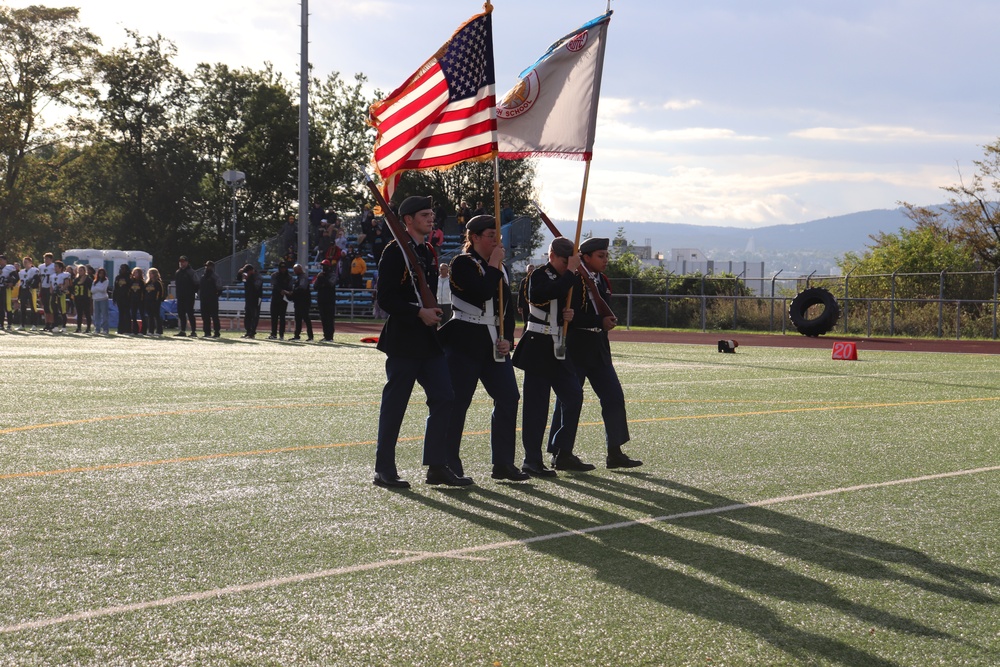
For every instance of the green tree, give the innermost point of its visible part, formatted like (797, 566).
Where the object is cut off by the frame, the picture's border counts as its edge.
(244, 120)
(931, 247)
(142, 119)
(45, 64)
(342, 138)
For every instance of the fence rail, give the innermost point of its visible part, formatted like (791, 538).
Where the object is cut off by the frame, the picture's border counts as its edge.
(942, 305)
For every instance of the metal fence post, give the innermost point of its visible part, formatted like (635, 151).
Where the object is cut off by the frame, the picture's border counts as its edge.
(736, 296)
(996, 284)
(847, 297)
(892, 306)
(666, 300)
(773, 278)
(941, 306)
(704, 304)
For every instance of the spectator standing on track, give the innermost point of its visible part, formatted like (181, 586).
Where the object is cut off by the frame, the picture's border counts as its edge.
(120, 292)
(325, 285)
(152, 298)
(99, 292)
(253, 294)
(186, 287)
(82, 299)
(302, 301)
(281, 292)
(209, 289)
(136, 290)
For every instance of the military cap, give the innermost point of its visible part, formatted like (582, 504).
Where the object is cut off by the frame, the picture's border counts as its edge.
(183, 258)
(414, 204)
(248, 267)
(561, 246)
(480, 223)
(593, 245)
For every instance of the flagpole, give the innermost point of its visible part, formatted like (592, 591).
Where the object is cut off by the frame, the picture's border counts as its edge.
(576, 248)
(497, 357)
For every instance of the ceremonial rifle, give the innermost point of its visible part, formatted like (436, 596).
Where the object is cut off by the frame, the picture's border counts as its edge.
(603, 309)
(405, 241)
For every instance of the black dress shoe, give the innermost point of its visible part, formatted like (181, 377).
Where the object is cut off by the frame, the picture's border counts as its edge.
(569, 461)
(445, 475)
(619, 459)
(537, 469)
(390, 480)
(509, 472)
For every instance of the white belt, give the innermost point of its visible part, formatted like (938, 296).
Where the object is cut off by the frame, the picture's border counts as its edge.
(466, 312)
(474, 319)
(538, 327)
(551, 329)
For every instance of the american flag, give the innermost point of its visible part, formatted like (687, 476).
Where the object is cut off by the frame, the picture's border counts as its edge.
(446, 112)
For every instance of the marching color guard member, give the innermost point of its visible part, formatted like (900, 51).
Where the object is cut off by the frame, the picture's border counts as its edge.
(409, 339)
(590, 352)
(541, 355)
(470, 337)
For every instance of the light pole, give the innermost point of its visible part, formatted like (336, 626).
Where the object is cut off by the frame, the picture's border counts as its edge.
(235, 180)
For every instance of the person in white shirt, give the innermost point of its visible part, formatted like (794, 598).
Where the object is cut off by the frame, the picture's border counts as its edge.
(444, 291)
(99, 292)
(28, 297)
(62, 285)
(48, 272)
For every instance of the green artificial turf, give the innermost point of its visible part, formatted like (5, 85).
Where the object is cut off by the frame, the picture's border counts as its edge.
(193, 502)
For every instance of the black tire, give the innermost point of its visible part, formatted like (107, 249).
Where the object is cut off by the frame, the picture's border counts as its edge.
(821, 323)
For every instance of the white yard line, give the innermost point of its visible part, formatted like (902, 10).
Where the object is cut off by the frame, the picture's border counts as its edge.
(463, 553)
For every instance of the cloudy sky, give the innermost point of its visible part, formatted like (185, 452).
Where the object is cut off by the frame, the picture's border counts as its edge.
(724, 112)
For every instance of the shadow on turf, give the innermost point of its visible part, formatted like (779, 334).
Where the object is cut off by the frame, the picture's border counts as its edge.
(620, 557)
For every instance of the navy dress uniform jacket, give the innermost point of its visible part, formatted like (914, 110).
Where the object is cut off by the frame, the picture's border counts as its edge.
(403, 333)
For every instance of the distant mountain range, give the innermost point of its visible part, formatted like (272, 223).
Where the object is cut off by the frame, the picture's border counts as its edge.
(802, 247)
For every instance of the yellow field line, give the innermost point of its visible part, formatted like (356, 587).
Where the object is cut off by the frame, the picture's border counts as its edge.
(304, 448)
(171, 413)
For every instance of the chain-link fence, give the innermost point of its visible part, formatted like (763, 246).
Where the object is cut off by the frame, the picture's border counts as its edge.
(942, 305)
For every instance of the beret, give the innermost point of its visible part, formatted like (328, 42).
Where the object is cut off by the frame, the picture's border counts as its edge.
(593, 245)
(561, 246)
(480, 223)
(414, 204)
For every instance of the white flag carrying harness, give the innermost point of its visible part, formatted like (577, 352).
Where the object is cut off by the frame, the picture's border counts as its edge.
(466, 312)
(551, 328)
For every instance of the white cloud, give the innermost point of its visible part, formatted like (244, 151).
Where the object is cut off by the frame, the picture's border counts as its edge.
(681, 105)
(872, 134)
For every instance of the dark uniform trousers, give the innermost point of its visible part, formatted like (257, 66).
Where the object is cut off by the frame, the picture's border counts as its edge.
(279, 309)
(185, 313)
(544, 374)
(251, 316)
(401, 373)
(605, 383)
(499, 382)
(561, 379)
(210, 315)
